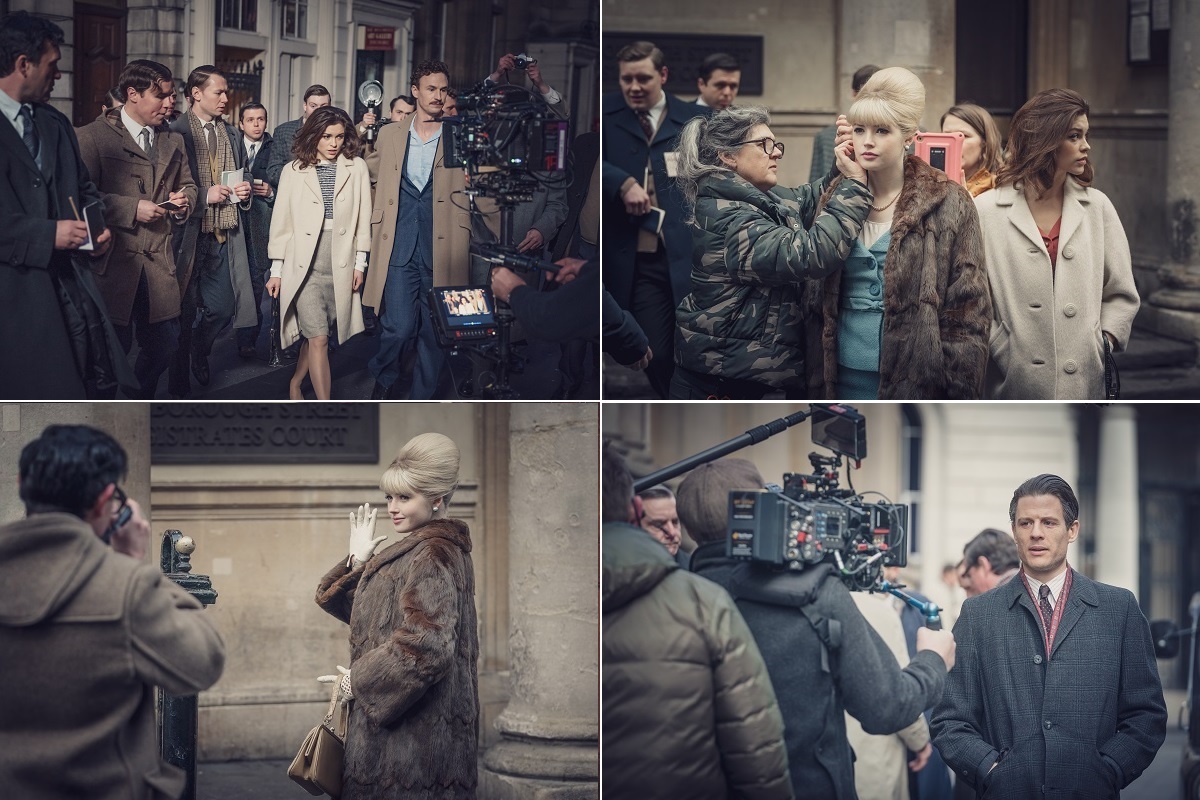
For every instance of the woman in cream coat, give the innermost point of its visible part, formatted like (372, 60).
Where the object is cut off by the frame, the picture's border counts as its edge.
(1046, 340)
(320, 237)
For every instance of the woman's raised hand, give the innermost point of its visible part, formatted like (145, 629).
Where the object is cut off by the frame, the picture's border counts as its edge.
(843, 155)
(362, 529)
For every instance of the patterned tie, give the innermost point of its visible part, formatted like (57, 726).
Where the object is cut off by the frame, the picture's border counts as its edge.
(210, 136)
(647, 126)
(30, 136)
(250, 155)
(1044, 605)
(147, 146)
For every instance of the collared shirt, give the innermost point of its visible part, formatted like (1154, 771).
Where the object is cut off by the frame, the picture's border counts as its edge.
(420, 157)
(12, 110)
(1055, 584)
(251, 143)
(700, 102)
(658, 109)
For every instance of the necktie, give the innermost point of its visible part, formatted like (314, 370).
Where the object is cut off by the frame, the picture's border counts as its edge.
(250, 156)
(1044, 605)
(30, 136)
(210, 136)
(647, 126)
(146, 144)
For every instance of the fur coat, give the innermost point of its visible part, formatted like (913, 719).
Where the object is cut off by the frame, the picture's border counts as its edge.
(414, 649)
(937, 309)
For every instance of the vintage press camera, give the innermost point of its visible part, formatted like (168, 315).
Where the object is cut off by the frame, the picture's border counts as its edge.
(811, 519)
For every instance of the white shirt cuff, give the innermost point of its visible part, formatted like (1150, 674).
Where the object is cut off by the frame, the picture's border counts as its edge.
(277, 268)
(551, 97)
(360, 261)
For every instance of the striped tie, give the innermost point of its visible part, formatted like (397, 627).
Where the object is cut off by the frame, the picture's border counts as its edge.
(30, 136)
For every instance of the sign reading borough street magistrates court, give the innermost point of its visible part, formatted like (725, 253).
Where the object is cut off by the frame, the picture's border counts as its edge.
(264, 433)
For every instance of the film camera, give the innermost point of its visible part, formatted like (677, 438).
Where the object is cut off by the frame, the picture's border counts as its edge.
(811, 519)
(524, 61)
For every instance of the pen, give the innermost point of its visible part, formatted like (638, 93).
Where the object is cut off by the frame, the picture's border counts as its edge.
(75, 208)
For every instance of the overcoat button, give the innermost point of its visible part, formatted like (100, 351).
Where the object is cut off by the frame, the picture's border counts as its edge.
(1069, 252)
(1037, 659)
(1070, 310)
(1070, 367)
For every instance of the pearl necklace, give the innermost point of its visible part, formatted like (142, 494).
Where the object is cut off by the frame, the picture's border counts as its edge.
(889, 205)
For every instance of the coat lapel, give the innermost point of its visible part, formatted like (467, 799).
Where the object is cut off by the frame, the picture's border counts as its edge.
(48, 132)
(1020, 216)
(1083, 594)
(1074, 197)
(312, 182)
(11, 141)
(342, 175)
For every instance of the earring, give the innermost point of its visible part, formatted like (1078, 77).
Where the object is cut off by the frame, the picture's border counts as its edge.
(435, 508)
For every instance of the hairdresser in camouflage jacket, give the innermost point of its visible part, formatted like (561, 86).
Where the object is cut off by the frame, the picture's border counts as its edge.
(742, 328)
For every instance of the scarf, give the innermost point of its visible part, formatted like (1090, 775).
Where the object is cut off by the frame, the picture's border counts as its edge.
(223, 216)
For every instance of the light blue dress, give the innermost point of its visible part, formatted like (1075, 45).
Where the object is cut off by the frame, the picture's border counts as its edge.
(860, 320)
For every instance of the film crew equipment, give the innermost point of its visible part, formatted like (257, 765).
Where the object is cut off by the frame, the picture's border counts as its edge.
(509, 144)
(524, 61)
(370, 94)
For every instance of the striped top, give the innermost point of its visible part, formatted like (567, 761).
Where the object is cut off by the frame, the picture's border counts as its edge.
(326, 173)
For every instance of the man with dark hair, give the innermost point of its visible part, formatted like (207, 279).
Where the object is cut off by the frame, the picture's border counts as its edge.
(718, 82)
(421, 239)
(826, 138)
(210, 251)
(1057, 690)
(648, 272)
(989, 560)
(88, 628)
(315, 96)
(57, 341)
(688, 707)
(660, 519)
(137, 167)
(258, 145)
(541, 89)
(813, 635)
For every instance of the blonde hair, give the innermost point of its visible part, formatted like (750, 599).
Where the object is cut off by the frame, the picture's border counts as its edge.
(427, 466)
(893, 97)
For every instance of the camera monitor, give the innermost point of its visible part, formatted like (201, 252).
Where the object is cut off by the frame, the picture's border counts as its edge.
(840, 429)
(463, 313)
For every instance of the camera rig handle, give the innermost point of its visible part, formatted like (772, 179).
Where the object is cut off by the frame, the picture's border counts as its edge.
(931, 610)
(501, 257)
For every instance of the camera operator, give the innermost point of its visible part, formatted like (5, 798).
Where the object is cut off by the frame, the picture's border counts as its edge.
(570, 312)
(822, 665)
(545, 91)
(688, 707)
(88, 630)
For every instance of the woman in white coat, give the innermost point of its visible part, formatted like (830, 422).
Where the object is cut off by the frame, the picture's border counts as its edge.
(320, 237)
(1050, 324)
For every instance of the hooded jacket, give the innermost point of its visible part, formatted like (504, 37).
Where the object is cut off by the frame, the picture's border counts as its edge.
(86, 635)
(688, 707)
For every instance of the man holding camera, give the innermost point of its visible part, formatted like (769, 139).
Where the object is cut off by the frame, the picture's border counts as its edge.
(1057, 690)
(824, 665)
(88, 628)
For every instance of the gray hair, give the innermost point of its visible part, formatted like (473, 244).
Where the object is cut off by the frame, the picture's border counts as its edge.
(702, 142)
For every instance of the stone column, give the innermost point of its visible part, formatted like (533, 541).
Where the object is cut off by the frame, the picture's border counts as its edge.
(1116, 523)
(550, 730)
(1177, 302)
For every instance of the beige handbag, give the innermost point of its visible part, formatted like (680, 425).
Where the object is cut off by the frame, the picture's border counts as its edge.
(318, 765)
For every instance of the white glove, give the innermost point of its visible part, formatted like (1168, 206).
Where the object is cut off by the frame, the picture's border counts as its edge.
(344, 677)
(362, 528)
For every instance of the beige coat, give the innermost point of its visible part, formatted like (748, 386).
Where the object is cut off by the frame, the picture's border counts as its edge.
(296, 226)
(451, 223)
(124, 175)
(1046, 332)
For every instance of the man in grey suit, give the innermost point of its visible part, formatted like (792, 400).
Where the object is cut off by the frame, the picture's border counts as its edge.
(1056, 691)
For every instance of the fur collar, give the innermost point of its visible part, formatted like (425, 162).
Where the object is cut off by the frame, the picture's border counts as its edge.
(452, 531)
(925, 188)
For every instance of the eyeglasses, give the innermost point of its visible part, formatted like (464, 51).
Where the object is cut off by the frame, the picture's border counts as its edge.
(768, 149)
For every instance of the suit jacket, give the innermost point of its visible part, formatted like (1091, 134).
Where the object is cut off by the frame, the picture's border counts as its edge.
(125, 176)
(37, 358)
(624, 153)
(258, 218)
(281, 149)
(1082, 722)
(184, 238)
(451, 224)
(1046, 334)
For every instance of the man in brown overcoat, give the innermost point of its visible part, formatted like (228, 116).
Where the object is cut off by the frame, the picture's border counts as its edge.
(136, 166)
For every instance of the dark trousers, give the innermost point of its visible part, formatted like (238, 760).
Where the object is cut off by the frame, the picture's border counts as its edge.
(689, 385)
(210, 293)
(653, 307)
(404, 322)
(156, 341)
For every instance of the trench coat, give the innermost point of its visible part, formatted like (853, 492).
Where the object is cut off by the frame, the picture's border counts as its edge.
(125, 175)
(1046, 330)
(414, 649)
(296, 225)
(1061, 725)
(451, 224)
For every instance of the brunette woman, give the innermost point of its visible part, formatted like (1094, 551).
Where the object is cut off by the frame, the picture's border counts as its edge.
(1050, 327)
(318, 250)
(413, 642)
(908, 316)
(982, 155)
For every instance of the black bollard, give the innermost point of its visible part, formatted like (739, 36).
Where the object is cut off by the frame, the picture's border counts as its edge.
(179, 714)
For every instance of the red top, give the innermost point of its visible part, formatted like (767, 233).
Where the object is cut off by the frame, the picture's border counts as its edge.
(1051, 241)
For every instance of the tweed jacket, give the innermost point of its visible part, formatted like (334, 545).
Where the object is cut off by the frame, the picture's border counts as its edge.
(41, 358)
(281, 149)
(125, 176)
(451, 222)
(87, 634)
(625, 153)
(414, 648)
(752, 252)
(1081, 722)
(936, 304)
(296, 226)
(688, 707)
(1046, 331)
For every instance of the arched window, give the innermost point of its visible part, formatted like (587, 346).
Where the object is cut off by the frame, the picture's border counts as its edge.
(910, 472)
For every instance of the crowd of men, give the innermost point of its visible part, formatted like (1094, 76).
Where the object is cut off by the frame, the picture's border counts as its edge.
(186, 200)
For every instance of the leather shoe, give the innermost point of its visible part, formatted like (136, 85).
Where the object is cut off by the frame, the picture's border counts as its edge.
(200, 368)
(247, 351)
(380, 392)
